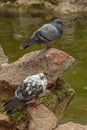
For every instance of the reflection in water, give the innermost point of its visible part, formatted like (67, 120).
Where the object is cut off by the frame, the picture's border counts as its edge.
(18, 27)
(14, 30)
(76, 45)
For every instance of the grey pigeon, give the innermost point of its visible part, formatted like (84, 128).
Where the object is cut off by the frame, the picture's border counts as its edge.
(45, 34)
(29, 89)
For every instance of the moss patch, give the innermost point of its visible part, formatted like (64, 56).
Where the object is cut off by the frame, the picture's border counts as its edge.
(59, 98)
(19, 116)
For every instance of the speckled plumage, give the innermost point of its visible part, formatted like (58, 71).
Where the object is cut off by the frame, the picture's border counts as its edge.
(29, 89)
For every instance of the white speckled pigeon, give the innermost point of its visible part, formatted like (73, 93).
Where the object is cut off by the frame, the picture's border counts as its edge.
(45, 34)
(28, 90)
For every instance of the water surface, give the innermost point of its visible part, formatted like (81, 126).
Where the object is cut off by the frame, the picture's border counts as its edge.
(15, 28)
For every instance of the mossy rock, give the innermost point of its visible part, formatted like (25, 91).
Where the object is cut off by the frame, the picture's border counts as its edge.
(59, 98)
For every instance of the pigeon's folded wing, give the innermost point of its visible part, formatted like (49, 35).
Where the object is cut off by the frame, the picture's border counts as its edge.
(47, 33)
(27, 92)
(31, 87)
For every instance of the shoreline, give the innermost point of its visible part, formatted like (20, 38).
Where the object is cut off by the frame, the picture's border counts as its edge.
(62, 8)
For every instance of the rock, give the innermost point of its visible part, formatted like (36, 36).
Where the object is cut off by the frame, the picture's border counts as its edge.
(30, 2)
(82, 5)
(71, 126)
(41, 118)
(23, 126)
(5, 123)
(49, 99)
(51, 62)
(4, 118)
(64, 94)
(66, 8)
(3, 58)
(62, 6)
(59, 98)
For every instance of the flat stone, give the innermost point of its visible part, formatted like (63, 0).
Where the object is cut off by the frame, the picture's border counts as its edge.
(41, 118)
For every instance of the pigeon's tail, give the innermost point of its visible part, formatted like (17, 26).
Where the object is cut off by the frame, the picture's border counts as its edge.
(27, 43)
(11, 106)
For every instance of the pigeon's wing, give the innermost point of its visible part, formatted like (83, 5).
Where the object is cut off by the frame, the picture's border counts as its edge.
(28, 91)
(47, 33)
(31, 87)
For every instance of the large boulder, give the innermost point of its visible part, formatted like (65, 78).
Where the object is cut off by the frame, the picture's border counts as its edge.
(51, 62)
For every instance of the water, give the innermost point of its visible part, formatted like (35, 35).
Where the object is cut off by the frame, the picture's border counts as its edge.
(15, 28)
(76, 45)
